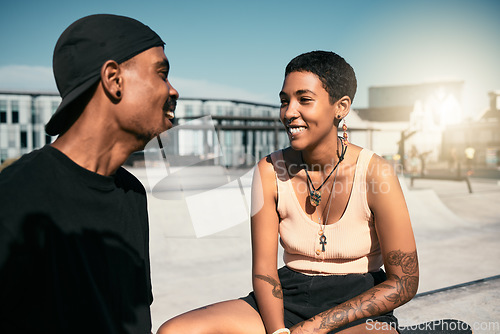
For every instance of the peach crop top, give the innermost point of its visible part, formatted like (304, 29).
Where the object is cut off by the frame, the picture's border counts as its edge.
(352, 243)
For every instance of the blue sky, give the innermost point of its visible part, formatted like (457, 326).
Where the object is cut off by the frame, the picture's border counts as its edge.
(238, 49)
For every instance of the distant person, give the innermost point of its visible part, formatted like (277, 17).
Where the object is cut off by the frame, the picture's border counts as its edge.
(423, 158)
(74, 234)
(340, 214)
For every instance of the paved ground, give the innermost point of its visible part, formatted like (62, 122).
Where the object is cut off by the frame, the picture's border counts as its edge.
(457, 236)
(476, 304)
(458, 239)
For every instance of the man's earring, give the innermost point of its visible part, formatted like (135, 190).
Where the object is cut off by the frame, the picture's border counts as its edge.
(118, 93)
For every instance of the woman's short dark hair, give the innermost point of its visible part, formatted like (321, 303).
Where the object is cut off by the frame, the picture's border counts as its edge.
(335, 73)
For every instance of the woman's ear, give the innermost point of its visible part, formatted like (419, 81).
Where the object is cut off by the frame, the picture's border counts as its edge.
(343, 106)
(111, 80)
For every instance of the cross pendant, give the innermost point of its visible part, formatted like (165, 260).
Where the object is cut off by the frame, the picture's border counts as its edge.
(322, 241)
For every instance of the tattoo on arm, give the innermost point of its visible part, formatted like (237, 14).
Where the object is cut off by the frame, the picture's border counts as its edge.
(374, 301)
(364, 305)
(277, 291)
(407, 284)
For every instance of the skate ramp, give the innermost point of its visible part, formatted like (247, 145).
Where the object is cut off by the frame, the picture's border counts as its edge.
(428, 212)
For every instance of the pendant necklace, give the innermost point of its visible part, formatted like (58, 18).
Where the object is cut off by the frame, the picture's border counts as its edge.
(322, 236)
(314, 193)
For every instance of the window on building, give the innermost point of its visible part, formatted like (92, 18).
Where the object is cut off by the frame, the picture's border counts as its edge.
(14, 105)
(36, 139)
(15, 117)
(188, 111)
(245, 111)
(219, 111)
(3, 111)
(24, 139)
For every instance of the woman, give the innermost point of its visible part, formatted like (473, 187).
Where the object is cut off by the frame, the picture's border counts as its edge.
(340, 214)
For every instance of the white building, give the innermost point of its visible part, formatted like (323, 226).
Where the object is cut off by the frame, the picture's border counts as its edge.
(22, 119)
(242, 129)
(245, 131)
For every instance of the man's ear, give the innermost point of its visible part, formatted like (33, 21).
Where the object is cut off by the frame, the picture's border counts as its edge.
(343, 106)
(111, 80)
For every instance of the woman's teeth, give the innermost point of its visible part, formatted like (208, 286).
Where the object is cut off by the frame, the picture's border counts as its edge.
(296, 130)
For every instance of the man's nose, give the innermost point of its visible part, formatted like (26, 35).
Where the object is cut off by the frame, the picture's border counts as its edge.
(172, 91)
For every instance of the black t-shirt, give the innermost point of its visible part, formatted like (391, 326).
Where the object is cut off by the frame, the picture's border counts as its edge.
(74, 249)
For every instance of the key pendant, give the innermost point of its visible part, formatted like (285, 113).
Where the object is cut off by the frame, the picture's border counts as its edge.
(322, 241)
(314, 197)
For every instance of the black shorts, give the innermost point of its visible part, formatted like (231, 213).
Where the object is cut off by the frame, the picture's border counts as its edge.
(305, 296)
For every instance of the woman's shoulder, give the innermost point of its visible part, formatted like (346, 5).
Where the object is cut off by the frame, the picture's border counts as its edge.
(355, 151)
(279, 163)
(380, 173)
(286, 155)
(376, 166)
(290, 156)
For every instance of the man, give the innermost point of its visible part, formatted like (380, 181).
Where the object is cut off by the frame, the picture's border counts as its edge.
(74, 243)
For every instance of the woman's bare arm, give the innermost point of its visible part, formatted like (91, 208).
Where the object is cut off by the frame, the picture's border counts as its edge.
(265, 222)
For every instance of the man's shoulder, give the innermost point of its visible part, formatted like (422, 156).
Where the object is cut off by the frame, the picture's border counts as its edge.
(24, 186)
(128, 181)
(30, 167)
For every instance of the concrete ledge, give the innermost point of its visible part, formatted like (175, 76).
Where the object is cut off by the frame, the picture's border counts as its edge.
(474, 303)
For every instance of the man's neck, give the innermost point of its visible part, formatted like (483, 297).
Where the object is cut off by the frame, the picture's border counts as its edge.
(100, 154)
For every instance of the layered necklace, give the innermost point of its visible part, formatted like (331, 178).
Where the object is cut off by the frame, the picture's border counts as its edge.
(315, 194)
